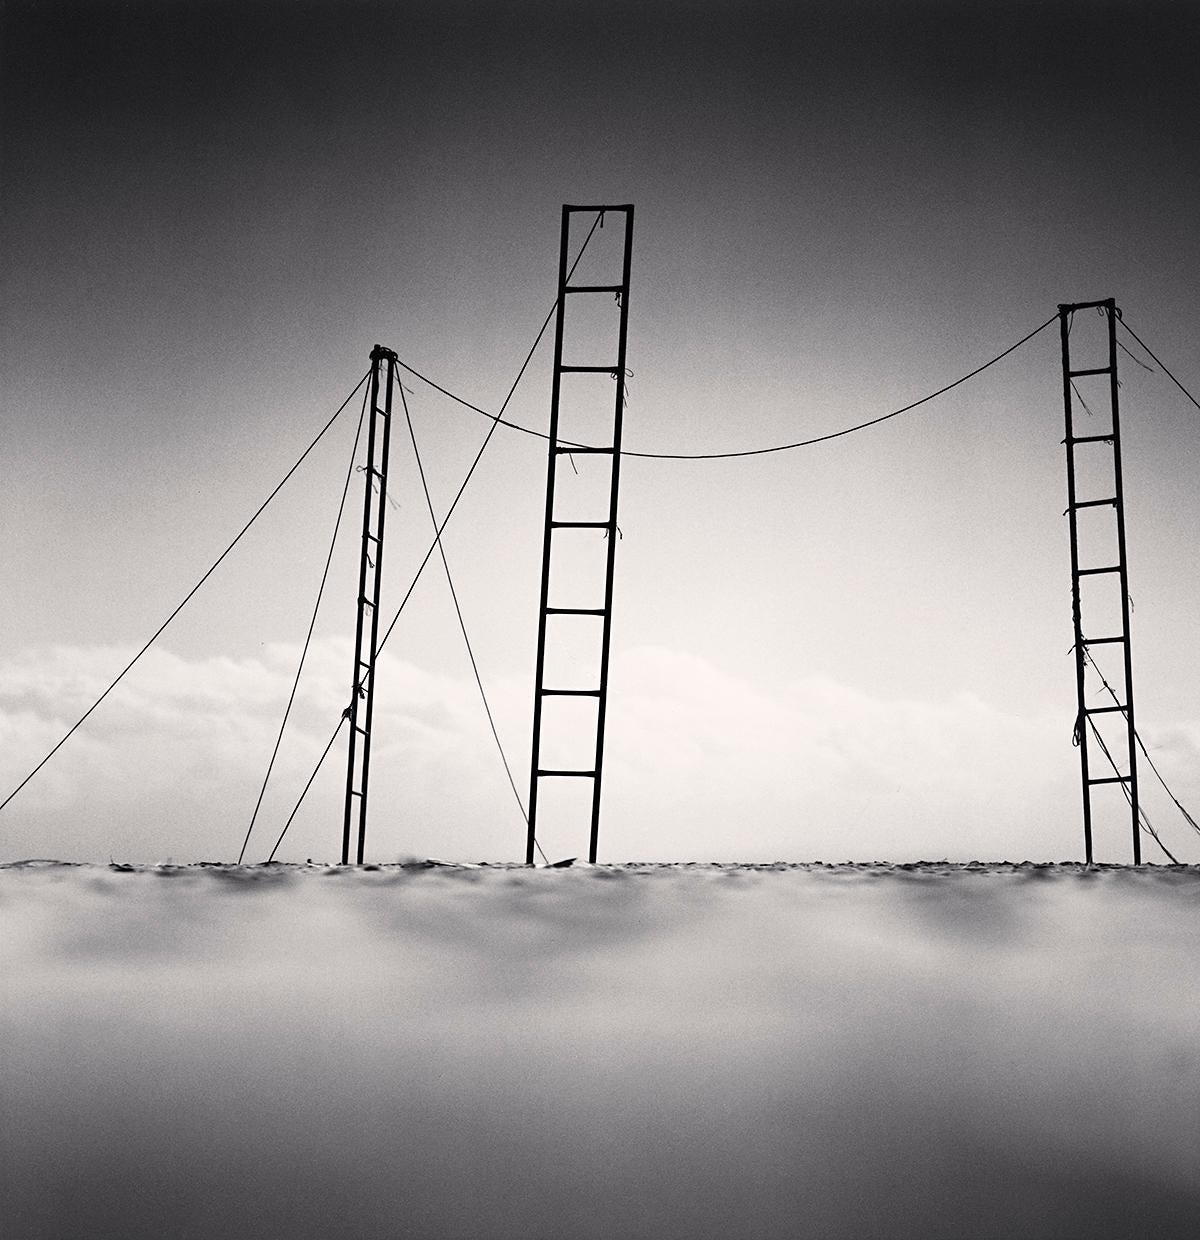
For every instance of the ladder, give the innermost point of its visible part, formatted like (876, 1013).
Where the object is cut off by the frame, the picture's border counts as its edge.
(370, 576)
(1115, 503)
(606, 527)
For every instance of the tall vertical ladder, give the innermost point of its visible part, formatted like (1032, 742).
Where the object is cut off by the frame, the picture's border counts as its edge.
(370, 577)
(1115, 502)
(615, 368)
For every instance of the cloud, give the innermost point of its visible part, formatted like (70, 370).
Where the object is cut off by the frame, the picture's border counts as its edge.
(826, 770)
(699, 765)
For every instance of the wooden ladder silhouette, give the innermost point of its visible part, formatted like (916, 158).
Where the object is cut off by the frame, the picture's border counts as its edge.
(1114, 502)
(613, 367)
(370, 577)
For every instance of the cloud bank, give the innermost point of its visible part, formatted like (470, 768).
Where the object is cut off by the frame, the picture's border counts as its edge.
(699, 765)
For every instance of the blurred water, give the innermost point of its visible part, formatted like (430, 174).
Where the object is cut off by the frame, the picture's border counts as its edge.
(846, 1051)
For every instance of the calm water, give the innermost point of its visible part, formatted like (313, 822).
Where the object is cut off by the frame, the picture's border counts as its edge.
(851, 1051)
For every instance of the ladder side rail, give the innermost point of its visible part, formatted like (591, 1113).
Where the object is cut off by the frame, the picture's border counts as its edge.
(1064, 313)
(355, 677)
(610, 563)
(1119, 490)
(381, 506)
(551, 461)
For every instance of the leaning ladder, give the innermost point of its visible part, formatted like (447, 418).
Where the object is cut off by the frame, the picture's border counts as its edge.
(609, 524)
(370, 577)
(1115, 502)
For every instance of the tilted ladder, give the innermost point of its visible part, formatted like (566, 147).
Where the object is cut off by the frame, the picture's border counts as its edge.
(615, 368)
(370, 577)
(1116, 502)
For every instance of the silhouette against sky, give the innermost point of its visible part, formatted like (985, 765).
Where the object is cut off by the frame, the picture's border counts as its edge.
(210, 213)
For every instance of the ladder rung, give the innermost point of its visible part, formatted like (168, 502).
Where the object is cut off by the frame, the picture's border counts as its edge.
(1102, 710)
(372, 537)
(1111, 779)
(1091, 572)
(576, 611)
(383, 413)
(364, 663)
(588, 370)
(354, 792)
(1095, 503)
(571, 692)
(1095, 370)
(1091, 439)
(575, 451)
(366, 602)
(570, 774)
(361, 730)
(1102, 641)
(594, 288)
(580, 525)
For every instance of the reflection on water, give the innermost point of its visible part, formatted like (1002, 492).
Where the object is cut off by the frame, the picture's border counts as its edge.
(848, 1051)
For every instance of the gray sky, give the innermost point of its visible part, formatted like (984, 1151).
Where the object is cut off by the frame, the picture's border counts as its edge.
(212, 212)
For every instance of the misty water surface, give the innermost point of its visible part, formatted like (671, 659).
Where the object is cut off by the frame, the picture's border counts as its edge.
(600, 1053)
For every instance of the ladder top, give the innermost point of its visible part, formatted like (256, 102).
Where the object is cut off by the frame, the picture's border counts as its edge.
(1107, 303)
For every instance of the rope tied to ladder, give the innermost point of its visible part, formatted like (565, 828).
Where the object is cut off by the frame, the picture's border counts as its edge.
(379, 488)
(498, 418)
(1143, 818)
(496, 421)
(1188, 818)
(189, 596)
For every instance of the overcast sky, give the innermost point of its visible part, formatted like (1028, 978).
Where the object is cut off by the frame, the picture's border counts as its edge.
(211, 212)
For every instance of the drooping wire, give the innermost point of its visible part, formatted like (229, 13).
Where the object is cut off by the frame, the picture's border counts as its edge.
(287, 710)
(1159, 360)
(1144, 818)
(462, 624)
(187, 597)
(1178, 805)
(445, 520)
(498, 419)
(1087, 654)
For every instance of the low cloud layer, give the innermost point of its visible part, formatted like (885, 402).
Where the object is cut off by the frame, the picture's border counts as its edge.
(699, 765)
